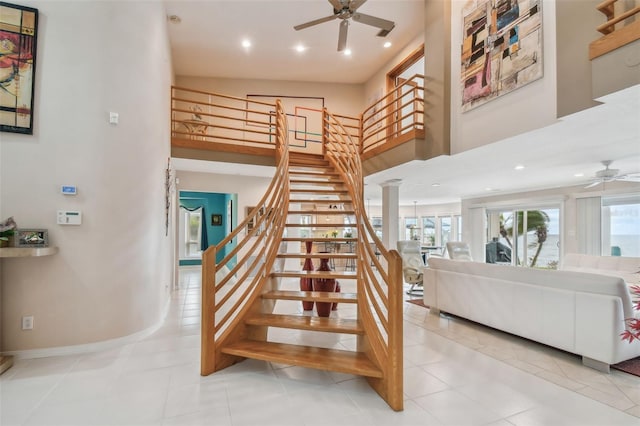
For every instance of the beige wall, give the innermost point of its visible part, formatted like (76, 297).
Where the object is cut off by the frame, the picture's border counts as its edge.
(113, 273)
(345, 99)
(527, 108)
(576, 24)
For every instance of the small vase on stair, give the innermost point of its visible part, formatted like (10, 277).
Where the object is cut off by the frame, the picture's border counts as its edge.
(324, 284)
(306, 283)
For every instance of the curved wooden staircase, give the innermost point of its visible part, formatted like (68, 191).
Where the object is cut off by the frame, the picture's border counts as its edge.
(240, 292)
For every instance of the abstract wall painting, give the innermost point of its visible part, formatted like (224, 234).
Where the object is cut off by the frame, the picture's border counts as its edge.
(18, 31)
(501, 48)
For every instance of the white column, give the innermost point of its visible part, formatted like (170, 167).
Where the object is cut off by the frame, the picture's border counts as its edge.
(390, 212)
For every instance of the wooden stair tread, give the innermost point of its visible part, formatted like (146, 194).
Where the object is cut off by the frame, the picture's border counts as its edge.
(316, 255)
(313, 173)
(321, 239)
(320, 225)
(315, 274)
(316, 182)
(317, 191)
(300, 322)
(337, 360)
(319, 201)
(312, 296)
(322, 212)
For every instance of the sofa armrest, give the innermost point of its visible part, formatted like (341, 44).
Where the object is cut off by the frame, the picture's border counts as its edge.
(599, 324)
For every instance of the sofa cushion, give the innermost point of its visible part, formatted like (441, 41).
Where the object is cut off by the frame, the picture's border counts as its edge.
(626, 268)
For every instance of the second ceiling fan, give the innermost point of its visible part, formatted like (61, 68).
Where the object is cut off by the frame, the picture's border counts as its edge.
(345, 10)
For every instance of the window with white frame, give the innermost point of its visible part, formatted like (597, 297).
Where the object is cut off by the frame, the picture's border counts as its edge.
(621, 226)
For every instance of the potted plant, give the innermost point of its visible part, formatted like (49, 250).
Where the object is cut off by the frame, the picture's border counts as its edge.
(7, 230)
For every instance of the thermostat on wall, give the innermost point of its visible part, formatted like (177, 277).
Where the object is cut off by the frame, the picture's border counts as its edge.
(69, 189)
(68, 217)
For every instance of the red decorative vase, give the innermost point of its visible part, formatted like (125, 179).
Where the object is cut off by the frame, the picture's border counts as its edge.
(334, 307)
(324, 284)
(306, 283)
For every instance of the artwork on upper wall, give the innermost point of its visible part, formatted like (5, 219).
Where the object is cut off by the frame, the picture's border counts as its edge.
(18, 31)
(501, 48)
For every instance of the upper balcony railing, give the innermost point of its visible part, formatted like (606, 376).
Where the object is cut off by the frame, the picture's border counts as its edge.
(217, 120)
(203, 120)
(395, 118)
(622, 26)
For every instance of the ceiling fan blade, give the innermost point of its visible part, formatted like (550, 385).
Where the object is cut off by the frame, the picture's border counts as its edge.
(630, 177)
(314, 22)
(356, 4)
(342, 37)
(336, 4)
(383, 24)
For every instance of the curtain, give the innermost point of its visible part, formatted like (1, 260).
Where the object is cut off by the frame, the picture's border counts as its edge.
(204, 239)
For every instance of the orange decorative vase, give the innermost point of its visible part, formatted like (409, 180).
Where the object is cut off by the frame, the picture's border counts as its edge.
(306, 283)
(324, 284)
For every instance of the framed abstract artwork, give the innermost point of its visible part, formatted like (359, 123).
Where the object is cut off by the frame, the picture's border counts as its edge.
(501, 48)
(18, 32)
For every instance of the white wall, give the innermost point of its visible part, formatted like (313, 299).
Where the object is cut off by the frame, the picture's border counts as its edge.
(112, 275)
(530, 107)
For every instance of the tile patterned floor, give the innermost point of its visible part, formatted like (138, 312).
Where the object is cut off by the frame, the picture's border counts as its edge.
(456, 373)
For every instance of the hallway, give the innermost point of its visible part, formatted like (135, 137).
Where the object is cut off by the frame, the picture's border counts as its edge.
(453, 376)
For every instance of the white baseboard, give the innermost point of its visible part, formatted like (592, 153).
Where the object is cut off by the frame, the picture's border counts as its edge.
(92, 347)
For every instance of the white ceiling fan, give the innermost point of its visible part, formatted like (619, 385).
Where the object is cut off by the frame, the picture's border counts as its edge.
(609, 175)
(345, 10)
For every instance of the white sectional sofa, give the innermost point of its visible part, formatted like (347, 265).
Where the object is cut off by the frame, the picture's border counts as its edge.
(579, 309)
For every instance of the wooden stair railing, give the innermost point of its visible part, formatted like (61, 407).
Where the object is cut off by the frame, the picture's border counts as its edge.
(230, 285)
(393, 119)
(379, 273)
(241, 287)
(622, 27)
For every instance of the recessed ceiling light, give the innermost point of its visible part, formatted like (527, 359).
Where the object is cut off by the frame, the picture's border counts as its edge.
(435, 184)
(300, 48)
(519, 167)
(386, 44)
(246, 43)
(579, 175)
(347, 52)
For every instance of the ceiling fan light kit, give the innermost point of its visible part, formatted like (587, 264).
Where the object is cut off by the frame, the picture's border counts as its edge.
(346, 10)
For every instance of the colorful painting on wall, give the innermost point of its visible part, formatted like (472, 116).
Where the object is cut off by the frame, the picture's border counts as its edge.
(18, 31)
(501, 48)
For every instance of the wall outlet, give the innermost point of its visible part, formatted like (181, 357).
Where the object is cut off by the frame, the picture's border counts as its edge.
(27, 323)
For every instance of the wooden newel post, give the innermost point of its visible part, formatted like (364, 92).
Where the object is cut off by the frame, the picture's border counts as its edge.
(395, 383)
(207, 331)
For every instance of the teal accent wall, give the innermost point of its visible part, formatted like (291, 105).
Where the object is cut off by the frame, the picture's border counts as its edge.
(214, 204)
